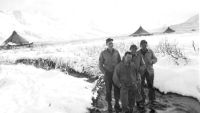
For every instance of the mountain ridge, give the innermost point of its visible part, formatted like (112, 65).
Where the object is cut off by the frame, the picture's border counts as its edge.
(191, 24)
(37, 27)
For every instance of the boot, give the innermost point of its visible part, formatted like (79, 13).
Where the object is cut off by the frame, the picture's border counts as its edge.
(117, 107)
(140, 105)
(152, 102)
(126, 111)
(110, 107)
(131, 110)
(138, 95)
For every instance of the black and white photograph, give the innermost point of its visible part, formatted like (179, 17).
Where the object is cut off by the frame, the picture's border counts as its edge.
(99, 56)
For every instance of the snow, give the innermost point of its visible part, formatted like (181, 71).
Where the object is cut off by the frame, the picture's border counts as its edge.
(177, 79)
(26, 89)
(38, 90)
(10, 43)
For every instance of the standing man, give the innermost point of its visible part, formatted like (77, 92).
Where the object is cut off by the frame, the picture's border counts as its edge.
(125, 78)
(137, 59)
(108, 60)
(150, 59)
(140, 65)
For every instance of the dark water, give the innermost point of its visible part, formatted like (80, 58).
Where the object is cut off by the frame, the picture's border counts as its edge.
(173, 103)
(168, 103)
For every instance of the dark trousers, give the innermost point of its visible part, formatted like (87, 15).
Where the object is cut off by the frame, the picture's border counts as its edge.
(150, 80)
(128, 97)
(109, 83)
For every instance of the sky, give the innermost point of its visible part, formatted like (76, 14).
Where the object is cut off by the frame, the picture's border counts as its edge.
(116, 13)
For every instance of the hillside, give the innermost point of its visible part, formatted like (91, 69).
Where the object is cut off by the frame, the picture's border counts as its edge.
(192, 24)
(37, 27)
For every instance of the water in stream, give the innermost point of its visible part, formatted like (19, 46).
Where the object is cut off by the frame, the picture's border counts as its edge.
(168, 103)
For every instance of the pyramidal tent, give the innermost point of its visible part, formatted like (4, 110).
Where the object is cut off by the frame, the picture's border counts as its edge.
(169, 30)
(141, 32)
(16, 39)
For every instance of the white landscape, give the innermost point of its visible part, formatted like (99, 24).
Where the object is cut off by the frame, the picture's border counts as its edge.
(72, 36)
(34, 89)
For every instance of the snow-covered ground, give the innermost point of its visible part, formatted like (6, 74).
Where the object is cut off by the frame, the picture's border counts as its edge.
(26, 89)
(83, 57)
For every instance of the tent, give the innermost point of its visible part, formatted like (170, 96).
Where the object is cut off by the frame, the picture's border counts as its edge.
(169, 30)
(141, 32)
(15, 39)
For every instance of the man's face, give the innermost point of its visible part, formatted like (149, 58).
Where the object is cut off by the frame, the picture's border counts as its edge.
(133, 50)
(110, 44)
(144, 46)
(128, 58)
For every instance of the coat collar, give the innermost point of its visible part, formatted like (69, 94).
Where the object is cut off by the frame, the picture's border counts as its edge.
(148, 51)
(135, 55)
(114, 50)
(123, 62)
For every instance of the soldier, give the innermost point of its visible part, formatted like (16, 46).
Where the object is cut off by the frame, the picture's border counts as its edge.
(140, 65)
(148, 75)
(124, 77)
(108, 60)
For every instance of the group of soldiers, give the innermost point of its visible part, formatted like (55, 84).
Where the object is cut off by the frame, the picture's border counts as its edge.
(127, 76)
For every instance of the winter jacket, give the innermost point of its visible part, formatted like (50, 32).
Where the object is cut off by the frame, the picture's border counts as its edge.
(125, 74)
(108, 61)
(149, 59)
(139, 62)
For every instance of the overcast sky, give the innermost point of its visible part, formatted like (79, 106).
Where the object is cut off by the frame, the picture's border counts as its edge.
(119, 13)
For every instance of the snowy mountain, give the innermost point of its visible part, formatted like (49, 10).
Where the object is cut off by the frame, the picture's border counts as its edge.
(192, 24)
(194, 19)
(38, 27)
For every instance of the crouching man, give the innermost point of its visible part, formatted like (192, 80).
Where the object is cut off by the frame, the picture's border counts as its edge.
(125, 78)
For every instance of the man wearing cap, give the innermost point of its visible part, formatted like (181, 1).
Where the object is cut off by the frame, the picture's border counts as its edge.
(108, 60)
(148, 74)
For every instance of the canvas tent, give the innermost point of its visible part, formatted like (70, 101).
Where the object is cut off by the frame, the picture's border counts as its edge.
(15, 39)
(141, 32)
(169, 30)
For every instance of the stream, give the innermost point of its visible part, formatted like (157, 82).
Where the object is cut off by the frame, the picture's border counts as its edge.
(168, 103)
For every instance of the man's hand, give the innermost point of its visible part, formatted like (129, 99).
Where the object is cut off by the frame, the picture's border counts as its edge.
(150, 62)
(142, 68)
(138, 79)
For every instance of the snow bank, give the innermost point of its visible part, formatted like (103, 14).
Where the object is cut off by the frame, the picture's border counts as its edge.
(178, 79)
(25, 89)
